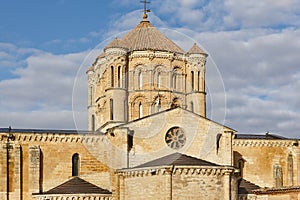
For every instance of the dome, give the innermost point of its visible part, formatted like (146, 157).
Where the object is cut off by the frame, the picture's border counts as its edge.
(145, 37)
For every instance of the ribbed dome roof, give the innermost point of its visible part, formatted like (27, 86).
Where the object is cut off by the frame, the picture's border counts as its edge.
(145, 37)
(116, 43)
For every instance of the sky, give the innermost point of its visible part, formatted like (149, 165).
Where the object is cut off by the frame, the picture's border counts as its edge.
(254, 47)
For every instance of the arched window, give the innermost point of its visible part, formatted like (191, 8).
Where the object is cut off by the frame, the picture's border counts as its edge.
(175, 103)
(93, 122)
(158, 79)
(75, 164)
(111, 108)
(125, 75)
(277, 173)
(119, 76)
(112, 76)
(240, 166)
(192, 80)
(290, 169)
(174, 81)
(192, 106)
(140, 110)
(140, 80)
(198, 80)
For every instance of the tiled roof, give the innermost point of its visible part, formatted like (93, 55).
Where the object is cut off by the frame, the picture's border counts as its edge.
(116, 43)
(196, 50)
(246, 187)
(77, 185)
(145, 37)
(266, 136)
(177, 159)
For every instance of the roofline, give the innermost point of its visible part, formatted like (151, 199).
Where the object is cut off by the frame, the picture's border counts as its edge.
(47, 131)
(279, 137)
(167, 110)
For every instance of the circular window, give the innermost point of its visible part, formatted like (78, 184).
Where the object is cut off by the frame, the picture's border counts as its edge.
(175, 138)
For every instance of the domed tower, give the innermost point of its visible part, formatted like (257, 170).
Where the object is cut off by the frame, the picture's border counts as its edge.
(141, 74)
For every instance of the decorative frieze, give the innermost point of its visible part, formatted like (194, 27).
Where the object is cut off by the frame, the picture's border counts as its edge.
(262, 143)
(177, 170)
(73, 197)
(51, 137)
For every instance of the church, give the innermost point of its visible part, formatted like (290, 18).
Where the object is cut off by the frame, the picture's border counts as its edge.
(148, 137)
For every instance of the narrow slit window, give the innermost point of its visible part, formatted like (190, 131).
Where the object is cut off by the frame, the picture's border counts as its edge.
(119, 76)
(112, 76)
(75, 164)
(158, 80)
(140, 80)
(111, 105)
(192, 80)
(199, 80)
(140, 110)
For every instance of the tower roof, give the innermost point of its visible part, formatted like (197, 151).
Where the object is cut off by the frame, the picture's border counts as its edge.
(145, 37)
(116, 43)
(196, 50)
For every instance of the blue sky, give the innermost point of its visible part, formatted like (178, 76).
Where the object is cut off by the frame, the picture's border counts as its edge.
(254, 44)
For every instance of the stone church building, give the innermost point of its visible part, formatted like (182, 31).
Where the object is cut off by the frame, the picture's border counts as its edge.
(148, 137)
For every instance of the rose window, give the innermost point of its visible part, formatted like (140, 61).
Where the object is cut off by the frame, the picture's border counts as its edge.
(175, 138)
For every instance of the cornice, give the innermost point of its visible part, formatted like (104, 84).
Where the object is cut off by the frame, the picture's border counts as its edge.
(262, 143)
(176, 170)
(54, 137)
(72, 196)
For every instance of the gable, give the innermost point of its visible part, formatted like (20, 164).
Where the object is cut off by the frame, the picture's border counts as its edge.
(200, 137)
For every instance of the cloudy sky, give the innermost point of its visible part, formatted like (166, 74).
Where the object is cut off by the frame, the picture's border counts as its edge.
(254, 47)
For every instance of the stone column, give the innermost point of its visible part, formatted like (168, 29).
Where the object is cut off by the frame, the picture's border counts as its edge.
(34, 169)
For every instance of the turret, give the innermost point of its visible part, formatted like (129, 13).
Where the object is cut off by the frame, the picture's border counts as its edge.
(196, 98)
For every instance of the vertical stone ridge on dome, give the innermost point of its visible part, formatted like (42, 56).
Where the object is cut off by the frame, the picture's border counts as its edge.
(196, 50)
(145, 37)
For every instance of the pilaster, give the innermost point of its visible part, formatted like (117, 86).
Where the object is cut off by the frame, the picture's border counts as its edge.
(34, 169)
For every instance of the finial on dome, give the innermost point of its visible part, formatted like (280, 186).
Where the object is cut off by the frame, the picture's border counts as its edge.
(145, 2)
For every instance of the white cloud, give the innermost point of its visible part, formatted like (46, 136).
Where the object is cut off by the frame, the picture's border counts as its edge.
(42, 88)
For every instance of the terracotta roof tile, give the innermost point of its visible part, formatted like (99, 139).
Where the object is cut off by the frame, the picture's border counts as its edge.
(177, 159)
(77, 185)
(145, 37)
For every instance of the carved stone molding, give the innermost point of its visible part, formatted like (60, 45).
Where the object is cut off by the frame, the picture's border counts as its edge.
(54, 137)
(177, 170)
(262, 143)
